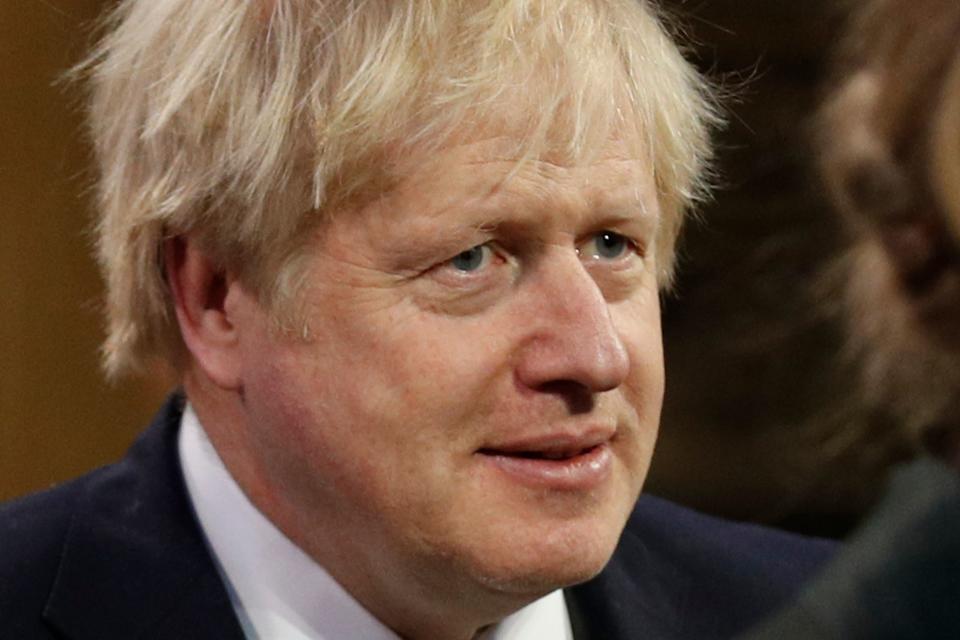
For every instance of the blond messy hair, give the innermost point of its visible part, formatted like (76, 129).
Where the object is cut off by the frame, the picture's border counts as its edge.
(248, 122)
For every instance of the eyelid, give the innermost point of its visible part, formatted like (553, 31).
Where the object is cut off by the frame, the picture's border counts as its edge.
(496, 253)
(487, 254)
(633, 246)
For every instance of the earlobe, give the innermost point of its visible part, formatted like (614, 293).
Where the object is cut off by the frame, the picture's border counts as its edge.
(200, 290)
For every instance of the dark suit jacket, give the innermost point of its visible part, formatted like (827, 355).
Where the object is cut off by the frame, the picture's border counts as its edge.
(119, 554)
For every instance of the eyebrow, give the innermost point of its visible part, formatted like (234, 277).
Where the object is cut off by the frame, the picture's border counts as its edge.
(633, 220)
(621, 205)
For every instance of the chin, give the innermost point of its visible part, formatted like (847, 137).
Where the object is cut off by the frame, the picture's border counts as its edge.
(535, 582)
(540, 561)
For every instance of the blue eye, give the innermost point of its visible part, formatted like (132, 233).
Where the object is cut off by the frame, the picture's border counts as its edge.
(605, 245)
(472, 259)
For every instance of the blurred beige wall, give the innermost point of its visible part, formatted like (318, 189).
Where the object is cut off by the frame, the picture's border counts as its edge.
(57, 415)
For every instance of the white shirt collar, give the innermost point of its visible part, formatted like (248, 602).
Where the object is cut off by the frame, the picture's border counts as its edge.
(277, 590)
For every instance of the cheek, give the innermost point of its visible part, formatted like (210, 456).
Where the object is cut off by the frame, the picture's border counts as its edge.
(644, 388)
(372, 408)
(638, 322)
(429, 368)
(293, 409)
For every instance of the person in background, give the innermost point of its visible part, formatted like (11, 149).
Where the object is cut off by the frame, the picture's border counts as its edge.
(405, 257)
(890, 140)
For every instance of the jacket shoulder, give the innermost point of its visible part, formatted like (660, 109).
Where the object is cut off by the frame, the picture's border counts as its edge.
(752, 555)
(32, 534)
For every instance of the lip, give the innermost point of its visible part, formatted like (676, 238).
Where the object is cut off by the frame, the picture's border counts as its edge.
(560, 441)
(582, 463)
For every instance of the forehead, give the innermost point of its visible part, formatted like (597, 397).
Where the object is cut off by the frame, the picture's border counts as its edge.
(494, 172)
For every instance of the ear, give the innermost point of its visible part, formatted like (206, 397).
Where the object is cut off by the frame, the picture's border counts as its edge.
(202, 296)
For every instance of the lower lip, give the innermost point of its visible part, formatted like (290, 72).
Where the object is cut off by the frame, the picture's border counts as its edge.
(579, 473)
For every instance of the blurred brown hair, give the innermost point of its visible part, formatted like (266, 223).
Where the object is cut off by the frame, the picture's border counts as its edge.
(889, 135)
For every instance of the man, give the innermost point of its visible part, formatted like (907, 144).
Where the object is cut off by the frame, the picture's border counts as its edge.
(405, 257)
(890, 141)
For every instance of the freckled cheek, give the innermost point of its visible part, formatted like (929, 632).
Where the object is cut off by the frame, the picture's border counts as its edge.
(433, 374)
(447, 367)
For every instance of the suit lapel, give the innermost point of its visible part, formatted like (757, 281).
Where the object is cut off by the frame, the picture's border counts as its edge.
(637, 595)
(134, 562)
(613, 606)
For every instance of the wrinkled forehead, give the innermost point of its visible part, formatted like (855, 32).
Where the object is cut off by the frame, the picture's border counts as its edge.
(519, 134)
(483, 184)
(542, 122)
(615, 174)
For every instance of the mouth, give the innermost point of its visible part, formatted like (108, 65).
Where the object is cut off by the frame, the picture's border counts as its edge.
(566, 464)
(546, 454)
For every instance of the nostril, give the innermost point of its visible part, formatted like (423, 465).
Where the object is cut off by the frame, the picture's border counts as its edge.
(578, 398)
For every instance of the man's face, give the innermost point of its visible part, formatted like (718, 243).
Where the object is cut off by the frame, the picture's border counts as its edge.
(478, 401)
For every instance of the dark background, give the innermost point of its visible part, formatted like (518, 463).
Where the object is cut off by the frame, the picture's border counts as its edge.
(761, 421)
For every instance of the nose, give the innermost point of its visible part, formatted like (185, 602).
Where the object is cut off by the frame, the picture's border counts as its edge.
(573, 341)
